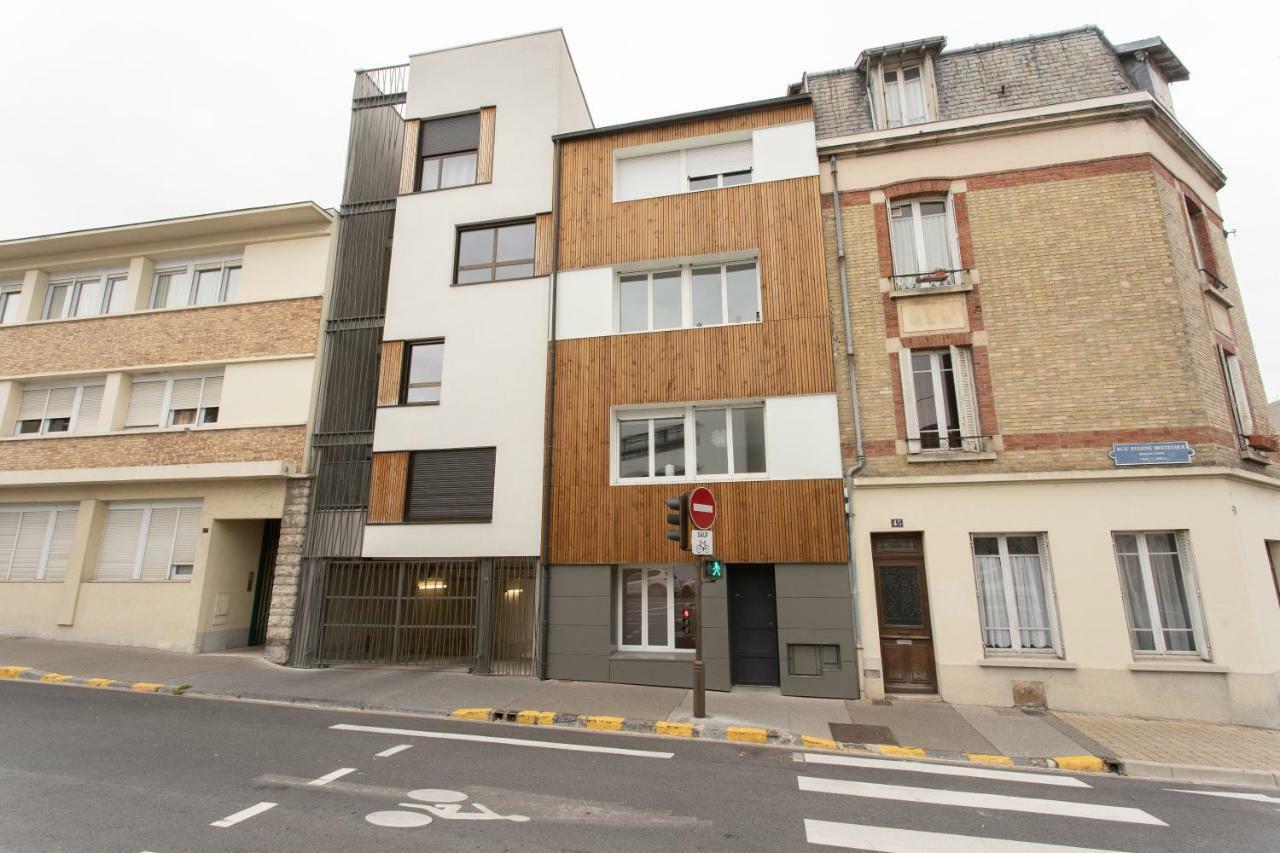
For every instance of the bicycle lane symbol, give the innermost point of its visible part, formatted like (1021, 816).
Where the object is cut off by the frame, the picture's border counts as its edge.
(436, 803)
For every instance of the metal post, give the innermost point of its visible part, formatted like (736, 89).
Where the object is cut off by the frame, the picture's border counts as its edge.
(699, 672)
(484, 619)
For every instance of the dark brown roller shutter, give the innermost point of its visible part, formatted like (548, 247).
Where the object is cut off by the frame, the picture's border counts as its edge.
(446, 135)
(451, 485)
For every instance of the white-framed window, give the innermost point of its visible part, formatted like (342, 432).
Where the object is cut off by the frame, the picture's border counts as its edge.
(35, 541)
(924, 243)
(904, 95)
(655, 607)
(1015, 592)
(691, 169)
(85, 296)
(174, 400)
(47, 409)
(1237, 394)
(195, 283)
(10, 299)
(1161, 597)
(727, 441)
(149, 541)
(688, 296)
(940, 400)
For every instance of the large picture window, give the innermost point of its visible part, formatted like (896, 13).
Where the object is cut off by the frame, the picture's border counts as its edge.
(655, 608)
(689, 296)
(726, 441)
(181, 285)
(84, 296)
(495, 252)
(1161, 599)
(1015, 593)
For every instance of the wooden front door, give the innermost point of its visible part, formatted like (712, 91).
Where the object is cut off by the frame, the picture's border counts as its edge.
(902, 599)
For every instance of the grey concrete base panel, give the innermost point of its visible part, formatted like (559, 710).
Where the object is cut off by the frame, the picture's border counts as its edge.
(815, 607)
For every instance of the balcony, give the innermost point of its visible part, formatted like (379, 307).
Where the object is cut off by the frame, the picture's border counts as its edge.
(381, 87)
(950, 447)
(1215, 287)
(938, 281)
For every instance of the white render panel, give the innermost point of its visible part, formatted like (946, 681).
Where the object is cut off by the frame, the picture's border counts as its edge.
(802, 437)
(262, 393)
(584, 303)
(649, 175)
(284, 269)
(784, 151)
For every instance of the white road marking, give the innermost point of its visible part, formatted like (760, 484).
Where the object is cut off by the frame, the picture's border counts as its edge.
(946, 770)
(885, 840)
(1234, 795)
(232, 820)
(505, 741)
(966, 799)
(387, 753)
(329, 777)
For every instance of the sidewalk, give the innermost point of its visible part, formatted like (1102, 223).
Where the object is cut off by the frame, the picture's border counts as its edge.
(910, 727)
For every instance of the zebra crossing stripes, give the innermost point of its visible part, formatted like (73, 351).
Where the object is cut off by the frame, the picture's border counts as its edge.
(946, 770)
(883, 839)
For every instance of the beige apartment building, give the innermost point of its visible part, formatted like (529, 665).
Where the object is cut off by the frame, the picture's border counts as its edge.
(1063, 473)
(156, 381)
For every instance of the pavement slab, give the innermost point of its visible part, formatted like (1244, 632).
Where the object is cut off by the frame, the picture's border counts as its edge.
(1182, 742)
(591, 697)
(766, 708)
(1015, 733)
(928, 725)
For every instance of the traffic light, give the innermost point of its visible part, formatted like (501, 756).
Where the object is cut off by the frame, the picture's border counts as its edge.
(712, 569)
(678, 520)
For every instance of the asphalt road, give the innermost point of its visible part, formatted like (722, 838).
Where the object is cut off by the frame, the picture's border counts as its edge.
(97, 770)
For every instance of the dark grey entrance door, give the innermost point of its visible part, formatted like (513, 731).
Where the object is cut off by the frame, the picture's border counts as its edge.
(753, 625)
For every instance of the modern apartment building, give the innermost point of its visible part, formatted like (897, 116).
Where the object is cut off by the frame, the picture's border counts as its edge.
(156, 381)
(1065, 487)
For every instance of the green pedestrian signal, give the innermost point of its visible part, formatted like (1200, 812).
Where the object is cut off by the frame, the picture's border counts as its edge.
(712, 569)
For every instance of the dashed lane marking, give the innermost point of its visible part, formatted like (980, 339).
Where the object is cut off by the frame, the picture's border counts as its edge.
(387, 753)
(244, 814)
(1233, 795)
(329, 777)
(946, 770)
(883, 839)
(972, 800)
(505, 741)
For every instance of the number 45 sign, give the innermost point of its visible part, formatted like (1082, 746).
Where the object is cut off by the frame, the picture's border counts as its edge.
(702, 542)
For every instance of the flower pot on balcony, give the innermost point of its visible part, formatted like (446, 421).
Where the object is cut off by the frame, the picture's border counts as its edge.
(1264, 442)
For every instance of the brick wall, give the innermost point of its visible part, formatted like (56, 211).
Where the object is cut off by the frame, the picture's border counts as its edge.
(210, 333)
(168, 447)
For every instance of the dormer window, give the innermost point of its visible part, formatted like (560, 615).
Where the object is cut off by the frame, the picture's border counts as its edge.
(901, 86)
(904, 96)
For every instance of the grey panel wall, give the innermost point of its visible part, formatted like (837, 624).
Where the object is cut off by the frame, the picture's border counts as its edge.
(815, 607)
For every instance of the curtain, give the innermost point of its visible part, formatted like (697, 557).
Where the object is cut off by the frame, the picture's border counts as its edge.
(995, 610)
(937, 244)
(1136, 596)
(1033, 609)
(903, 242)
(1171, 603)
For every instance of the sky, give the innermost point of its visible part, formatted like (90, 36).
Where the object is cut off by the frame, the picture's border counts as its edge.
(128, 111)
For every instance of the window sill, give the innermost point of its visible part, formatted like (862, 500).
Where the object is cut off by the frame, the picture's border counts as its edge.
(930, 291)
(689, 481)
(1177, 666)
(1251, 455)
(620, 333)
(1219, 294)
(444, 189)
(1027, 662)
(951, 456)
(672, 655)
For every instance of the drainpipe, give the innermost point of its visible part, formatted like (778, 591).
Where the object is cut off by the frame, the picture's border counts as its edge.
(860, 457)
(545, 558)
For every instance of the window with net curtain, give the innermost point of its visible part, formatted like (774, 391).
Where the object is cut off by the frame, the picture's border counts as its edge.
(1014, 593)
(920, 236)
(1159, 592)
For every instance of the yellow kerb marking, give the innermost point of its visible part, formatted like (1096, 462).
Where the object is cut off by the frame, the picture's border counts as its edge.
(55, 677)
(747, 734)
(982, 758)
(99, 682)
(472, 713)
(1082, 763)
(819, 742)
(12, 671)
(911, 751)
(663, 727)
(146, 687)
(536, 718)
(608, 724)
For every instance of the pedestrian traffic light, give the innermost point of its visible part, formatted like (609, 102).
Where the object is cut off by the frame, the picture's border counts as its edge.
(678, 520)
(712, 569)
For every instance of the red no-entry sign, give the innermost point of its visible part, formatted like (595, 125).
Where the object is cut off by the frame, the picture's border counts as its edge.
(702, 508)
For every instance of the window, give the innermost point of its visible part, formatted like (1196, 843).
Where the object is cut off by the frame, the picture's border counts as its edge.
(904, 98)
(1015, 593)
(451, 485)
(495, 253)
(1237, 394)
(149, 541)
(448, 151)
(10, 298)
(84, 296)
(68, 407)
(689, 296)
(655, 608)
(939, 400)
(195, 284)
(1160, 594)
(35, 542)
(174, 400)
(704, 167)
(727, 441)
(425, 368)
(921, 238)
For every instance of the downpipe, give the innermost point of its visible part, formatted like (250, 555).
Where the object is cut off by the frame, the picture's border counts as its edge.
(544, 561)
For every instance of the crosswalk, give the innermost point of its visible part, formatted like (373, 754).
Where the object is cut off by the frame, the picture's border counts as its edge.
(887, 839)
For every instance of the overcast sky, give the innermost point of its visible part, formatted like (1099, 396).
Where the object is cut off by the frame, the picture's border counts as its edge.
(125, 111)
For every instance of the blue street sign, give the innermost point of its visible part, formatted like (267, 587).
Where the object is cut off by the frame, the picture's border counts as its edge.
(1152, 453)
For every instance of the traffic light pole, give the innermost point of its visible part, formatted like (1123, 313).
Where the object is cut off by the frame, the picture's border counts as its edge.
(699, 672)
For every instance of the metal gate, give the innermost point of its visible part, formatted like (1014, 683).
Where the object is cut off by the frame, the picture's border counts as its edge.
(473, 614)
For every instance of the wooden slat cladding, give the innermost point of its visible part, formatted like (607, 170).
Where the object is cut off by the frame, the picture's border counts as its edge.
(484, 156)
(778, 521)
(542, 245)
(390, 364)
(387, 487)
(409, 159)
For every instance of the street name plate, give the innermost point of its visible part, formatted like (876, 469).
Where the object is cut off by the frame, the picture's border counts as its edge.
(1152, 453)
(703, 542)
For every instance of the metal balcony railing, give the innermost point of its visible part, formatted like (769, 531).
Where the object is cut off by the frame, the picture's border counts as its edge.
(948, 442)
(1212, 281)
(380, 87)
(929, 280)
